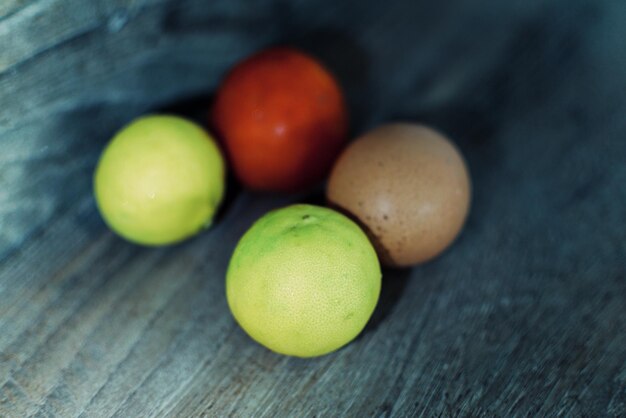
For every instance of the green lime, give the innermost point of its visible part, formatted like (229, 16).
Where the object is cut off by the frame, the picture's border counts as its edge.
(303, 281)
(159, 180)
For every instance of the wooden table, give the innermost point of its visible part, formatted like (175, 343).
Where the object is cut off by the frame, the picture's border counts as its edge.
(524, 316)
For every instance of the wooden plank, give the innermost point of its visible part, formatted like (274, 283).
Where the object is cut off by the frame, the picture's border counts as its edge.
(524, 316)
(36, 26)
(9, 7)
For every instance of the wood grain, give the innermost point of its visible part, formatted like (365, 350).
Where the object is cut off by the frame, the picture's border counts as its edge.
(524, 316)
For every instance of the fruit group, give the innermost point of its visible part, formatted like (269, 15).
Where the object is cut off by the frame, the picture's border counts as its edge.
(408, 185)
(303, 280)
(159, 180)
(282, 118)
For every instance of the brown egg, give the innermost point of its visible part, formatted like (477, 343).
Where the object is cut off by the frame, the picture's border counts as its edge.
(408, 186)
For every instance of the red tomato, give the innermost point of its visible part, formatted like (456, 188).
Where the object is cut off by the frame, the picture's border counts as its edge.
(282, 118)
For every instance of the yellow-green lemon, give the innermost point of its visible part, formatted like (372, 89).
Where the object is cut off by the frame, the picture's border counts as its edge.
(159, 180)
(303, 281)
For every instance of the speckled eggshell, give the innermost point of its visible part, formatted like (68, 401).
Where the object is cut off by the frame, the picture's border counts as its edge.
(408, 186)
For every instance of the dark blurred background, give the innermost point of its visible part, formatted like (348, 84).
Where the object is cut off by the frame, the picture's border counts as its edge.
(525, 315)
